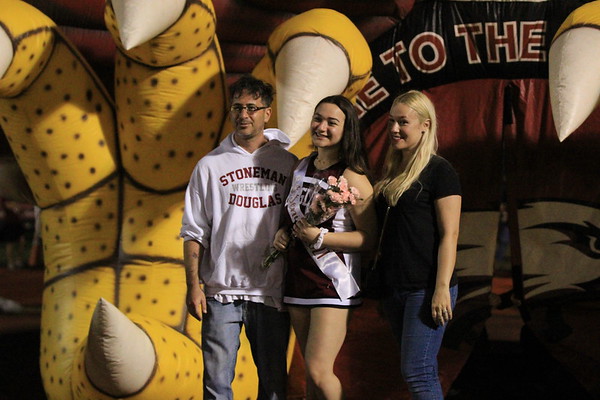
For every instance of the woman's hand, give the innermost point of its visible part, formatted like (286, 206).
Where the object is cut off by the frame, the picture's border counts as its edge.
(441, 306)
(306, 232)
(282, 239)
(448, 220)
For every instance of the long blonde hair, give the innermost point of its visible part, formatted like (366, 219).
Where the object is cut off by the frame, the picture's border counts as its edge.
(396, 181)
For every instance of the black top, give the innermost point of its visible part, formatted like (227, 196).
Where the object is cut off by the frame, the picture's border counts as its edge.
(409, 249)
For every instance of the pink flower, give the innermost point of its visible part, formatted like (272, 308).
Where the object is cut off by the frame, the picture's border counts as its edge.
(343, 184)
(355, 193)
(337, 198)
(346, 197)
(327, 202)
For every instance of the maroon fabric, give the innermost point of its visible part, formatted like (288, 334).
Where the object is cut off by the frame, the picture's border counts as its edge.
(304, 279)
(88, 14)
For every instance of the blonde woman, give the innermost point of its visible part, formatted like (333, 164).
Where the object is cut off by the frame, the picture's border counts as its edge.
(419, 198)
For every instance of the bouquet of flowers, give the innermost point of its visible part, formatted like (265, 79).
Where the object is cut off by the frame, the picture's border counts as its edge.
(328, 197)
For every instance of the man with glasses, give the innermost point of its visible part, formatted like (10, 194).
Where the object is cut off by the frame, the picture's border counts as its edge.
(232, 208)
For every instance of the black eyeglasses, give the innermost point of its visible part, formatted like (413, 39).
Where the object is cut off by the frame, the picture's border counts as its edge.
(250, 108)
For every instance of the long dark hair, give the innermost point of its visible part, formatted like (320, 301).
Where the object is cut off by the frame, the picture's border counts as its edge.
(352, 144)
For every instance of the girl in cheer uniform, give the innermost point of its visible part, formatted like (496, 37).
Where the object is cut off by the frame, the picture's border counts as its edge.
(323, 276)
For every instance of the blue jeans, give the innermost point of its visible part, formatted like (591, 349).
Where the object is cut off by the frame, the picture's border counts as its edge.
(420, 338)
(268, 333)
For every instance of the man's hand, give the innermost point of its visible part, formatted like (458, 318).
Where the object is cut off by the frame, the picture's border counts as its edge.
(282, 239)
(195, 298)
(196, 301)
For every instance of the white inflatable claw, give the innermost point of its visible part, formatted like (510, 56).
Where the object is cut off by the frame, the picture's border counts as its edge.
(134, 16)
(574, 78)
(119, 358)
(6, 52)
(315, 54)
(308, 68)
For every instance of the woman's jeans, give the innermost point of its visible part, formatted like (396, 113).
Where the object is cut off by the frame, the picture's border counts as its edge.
(409, 314)
(268, 332)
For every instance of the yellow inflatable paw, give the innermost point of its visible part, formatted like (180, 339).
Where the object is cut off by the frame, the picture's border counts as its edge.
(110, 181)
(110, 177)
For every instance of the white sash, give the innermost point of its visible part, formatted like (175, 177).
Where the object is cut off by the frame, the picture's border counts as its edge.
(327, 260)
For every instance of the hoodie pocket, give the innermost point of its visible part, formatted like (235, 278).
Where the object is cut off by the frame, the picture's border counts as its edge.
(238, 265)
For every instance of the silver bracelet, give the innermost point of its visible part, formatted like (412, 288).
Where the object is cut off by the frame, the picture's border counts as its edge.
(319, 242)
